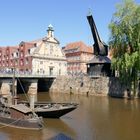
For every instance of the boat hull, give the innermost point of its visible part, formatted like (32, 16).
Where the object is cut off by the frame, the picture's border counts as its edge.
(55, 113)
(54, 110)
(20, 123)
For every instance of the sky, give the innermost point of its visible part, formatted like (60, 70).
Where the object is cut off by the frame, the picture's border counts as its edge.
(27, 20)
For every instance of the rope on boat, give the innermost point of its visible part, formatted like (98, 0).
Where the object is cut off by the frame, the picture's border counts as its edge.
(34, 114)
(27, 97)
(7, 125)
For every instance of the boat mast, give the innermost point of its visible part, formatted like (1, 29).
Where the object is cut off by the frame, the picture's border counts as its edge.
(14, 96)
(13, 83)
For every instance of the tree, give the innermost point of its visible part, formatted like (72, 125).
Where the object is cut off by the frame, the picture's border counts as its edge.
(125, 42)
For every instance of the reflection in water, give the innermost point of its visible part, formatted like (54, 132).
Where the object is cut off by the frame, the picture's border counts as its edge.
(96, 118)
(59, 126)
(60, 136)
(8, 133)
(124, 116)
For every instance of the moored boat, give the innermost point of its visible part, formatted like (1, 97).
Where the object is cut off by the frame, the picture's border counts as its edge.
(52, 110)
(18, 116)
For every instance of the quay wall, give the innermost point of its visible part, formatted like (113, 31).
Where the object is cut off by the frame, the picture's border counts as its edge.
(89, 86)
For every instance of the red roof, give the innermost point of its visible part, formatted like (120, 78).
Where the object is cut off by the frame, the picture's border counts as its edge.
(11, 48)
(79, 45)
(27, 45)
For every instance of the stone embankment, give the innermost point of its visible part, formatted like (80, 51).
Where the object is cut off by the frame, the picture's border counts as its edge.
(88, 86)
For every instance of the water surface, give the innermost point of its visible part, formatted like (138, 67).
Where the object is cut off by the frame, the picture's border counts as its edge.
(96, 118)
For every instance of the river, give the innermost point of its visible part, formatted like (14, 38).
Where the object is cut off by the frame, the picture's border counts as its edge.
(96, 118)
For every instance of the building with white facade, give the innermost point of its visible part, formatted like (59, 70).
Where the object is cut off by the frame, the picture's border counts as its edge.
(40, 57)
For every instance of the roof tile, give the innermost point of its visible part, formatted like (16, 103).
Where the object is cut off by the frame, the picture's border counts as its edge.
(82, 47)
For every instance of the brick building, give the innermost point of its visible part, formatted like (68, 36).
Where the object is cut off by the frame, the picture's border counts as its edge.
(77, 54)
(43, 56)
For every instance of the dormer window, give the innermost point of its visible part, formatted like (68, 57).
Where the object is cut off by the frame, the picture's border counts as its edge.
(21, 48)
(35, 44)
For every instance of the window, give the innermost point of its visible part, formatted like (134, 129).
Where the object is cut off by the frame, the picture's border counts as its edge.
(27, 61)
(21, 62)
(21, 47)
(35, 44)
(59, 71)
(29, 51)
(11, 62)
(16, 63)
(51, 71)
(21, 54)
(16, 54)
(51, 49)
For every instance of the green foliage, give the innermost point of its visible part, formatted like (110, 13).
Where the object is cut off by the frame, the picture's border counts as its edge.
(125, 41)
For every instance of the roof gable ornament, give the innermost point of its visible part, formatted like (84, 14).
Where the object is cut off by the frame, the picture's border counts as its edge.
(50, 36)
(50, 31)
(50, 27)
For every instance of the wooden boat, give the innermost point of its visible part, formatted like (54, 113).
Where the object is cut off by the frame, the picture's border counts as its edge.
(52, 110)
(18, 115)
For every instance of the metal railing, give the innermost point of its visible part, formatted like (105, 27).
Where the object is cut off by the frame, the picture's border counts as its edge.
(25, 74)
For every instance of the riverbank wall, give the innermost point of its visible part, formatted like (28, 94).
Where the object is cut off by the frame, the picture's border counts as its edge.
(89, 86)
